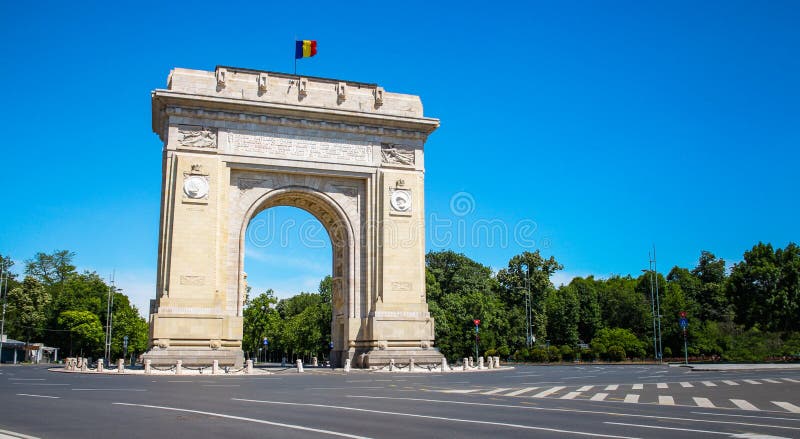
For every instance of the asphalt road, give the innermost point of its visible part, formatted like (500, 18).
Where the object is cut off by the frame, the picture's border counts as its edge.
(528, 401)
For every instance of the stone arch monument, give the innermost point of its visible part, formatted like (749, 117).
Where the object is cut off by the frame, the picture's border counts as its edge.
(238, 141)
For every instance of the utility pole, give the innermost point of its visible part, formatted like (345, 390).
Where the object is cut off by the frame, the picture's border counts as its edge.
(658, 306)
(3, 281)
(655, 305)
(109, 318)
(529, 337)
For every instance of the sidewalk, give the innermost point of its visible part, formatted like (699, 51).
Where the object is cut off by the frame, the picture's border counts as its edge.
(755, 366)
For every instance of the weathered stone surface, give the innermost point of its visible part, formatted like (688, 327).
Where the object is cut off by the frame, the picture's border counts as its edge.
(238, 141)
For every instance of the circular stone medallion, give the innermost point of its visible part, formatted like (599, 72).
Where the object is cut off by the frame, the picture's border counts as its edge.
(195, 187)
(401, 200)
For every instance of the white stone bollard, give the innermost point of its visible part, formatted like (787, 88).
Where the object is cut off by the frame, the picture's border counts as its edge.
(444, 364)
(100, 365)
(391, 364)
(480, 362)
(215, 367)
(120, 366)
(299, 366)
(410, 364)
(496, 361)
(178, 367)
(314, 362)
(248, 367)
(147, 366)
(471, 364)
(347, 365)
(84, 365)
(466, 363)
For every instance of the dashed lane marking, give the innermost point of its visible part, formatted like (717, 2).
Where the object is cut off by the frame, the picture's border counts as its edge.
(744, 405)
(598, 397)
(460, 390)
(571, 395)
(632, 398)
(703, 402)
(791, 380)
(521, 391)
(686, 384)
(770, 380)
(38, 396)
(548, 392)
(789, 407)
(665, 400)
(730, 383)
(751, 381)
(708, 384)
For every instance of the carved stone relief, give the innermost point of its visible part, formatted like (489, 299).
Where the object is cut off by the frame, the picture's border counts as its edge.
(197, 137)
(393, 154)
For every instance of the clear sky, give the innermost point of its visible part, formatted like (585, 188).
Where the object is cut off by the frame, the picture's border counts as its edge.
(594, 129)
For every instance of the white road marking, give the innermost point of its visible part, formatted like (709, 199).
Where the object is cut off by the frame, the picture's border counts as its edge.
(15, 435)
(178, 381)
(791, 380)
(571, 395)
(241, 418)
(745, 416)
(520, 391)
(40, 384)
(492, 392)
(769, 380)
(598, 396)
(612, 387)
(221, 385)
(440, 418)
(38, 396)
(632, 398)
(460, 390)
(112, 390)
(686, 384)
(730, 383)
(662, 386)
(638, 386)
(709, 384)
(26, 379)
(744, 405)
(733, 435)
(703, 402)
(787, 406)
(563, 410)
(665, 400)
(585, 388)
(751, 381)
(548, 392)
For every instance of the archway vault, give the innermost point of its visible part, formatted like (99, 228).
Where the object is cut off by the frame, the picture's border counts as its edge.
(239, 141)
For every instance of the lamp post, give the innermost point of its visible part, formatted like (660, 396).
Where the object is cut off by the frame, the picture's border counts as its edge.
(655, 305)
(3, 281)
(109, 318)
(529, 337)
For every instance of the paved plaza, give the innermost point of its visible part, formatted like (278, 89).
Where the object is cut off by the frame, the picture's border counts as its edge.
(617, 401)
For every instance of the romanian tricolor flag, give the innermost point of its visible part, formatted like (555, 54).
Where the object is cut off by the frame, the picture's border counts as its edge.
(305, 49)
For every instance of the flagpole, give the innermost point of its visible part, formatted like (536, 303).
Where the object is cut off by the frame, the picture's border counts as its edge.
(295, 55)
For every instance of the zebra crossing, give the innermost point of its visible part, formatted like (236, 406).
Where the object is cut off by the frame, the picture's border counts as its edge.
(631, 393)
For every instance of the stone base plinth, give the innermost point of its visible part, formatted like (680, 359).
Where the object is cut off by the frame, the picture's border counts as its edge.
(382, 357)
(194, 357)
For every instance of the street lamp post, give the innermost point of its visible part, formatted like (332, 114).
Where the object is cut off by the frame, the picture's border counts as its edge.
(109, 318)
(529, 337)
(655, 305)
(3, 281)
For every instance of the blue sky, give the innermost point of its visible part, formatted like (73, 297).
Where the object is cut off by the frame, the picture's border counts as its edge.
(611, 126)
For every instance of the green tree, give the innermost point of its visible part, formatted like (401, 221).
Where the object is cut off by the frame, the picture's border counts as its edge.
(590, 317)
(26, 309)
(85, 330)
(621, 337)
(563, 314)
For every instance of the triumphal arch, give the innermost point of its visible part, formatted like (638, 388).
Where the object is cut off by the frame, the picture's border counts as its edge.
(238, 141)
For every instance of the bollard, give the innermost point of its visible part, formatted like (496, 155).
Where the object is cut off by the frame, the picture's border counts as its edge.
(147, 367)
(100, 365)
(178, 367)
(215, 367)
(466, 363)
(444, 364)
(410, 364)
(249, 367)
(120, 366)
(347, 365)
(490, 362)
(471, 363)
(84, 365)
(391, 364)
(480, 362)
(496, 361)
(314, 362)
(299, 366)
(283, 361)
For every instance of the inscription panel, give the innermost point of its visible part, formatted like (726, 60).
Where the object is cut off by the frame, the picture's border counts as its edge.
(300, 147)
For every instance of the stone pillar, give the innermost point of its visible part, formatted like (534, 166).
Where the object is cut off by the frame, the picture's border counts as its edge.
(496, 361)
(120, 366)
(299, 366)
(480, 362)
(178, 367)
(147, 367)
(466, 363)
(215, 367)
(283, 361)
(391, 364)
(471, 363)
(347, 365)
(314, 362)
(84, 365)
(490, 362)
(100, 365)
(248, 367)
(444, 364)
(410, 364)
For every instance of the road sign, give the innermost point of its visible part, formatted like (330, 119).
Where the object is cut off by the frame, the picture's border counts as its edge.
(682, 314)
(125, 341)
(266, 342)
(476, 322)
(684, 322)
(330, 345)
